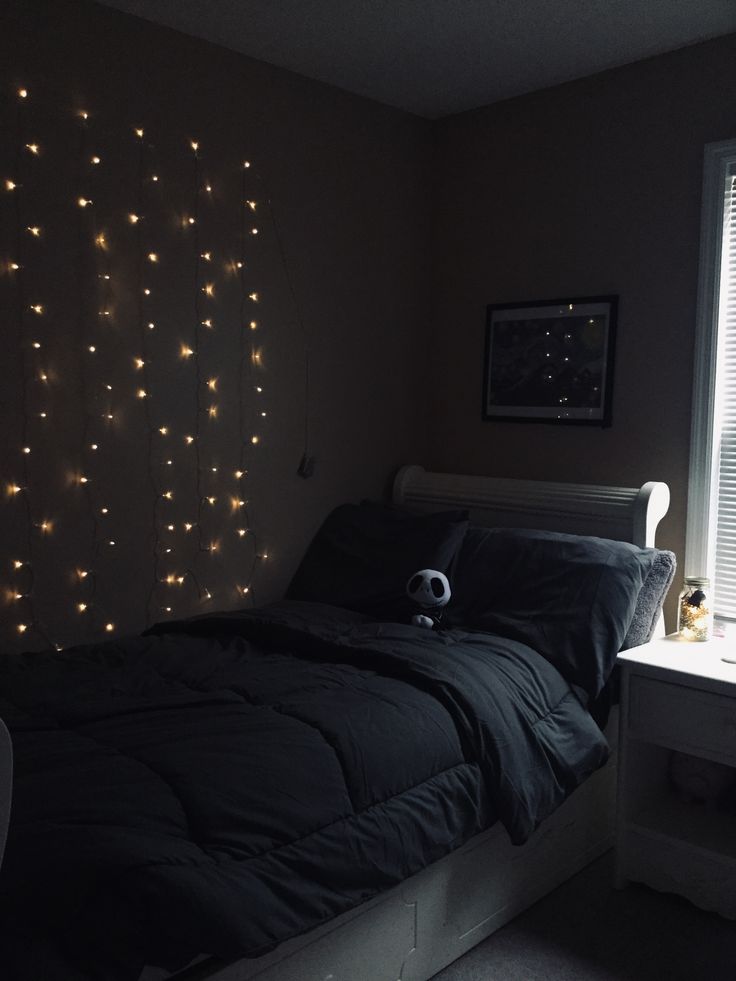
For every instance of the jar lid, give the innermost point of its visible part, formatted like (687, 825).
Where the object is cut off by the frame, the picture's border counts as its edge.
(697, 580)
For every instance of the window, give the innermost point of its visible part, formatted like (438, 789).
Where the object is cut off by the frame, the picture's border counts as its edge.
(711, 520)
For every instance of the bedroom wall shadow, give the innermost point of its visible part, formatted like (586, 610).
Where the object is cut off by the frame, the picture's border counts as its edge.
(588, 188)
(347, 180)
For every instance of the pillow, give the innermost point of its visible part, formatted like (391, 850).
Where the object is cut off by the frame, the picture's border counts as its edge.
(364, 554)
(571, 598)
(650, 600)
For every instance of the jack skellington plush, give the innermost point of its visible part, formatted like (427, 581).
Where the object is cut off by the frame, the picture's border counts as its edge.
(430, 590)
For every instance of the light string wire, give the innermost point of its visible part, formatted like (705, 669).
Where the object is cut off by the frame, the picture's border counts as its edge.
(26, 592)
(197, 359)
(145, 376)
(245, 376)
(87, 573)
(97, 420)
(297, 310)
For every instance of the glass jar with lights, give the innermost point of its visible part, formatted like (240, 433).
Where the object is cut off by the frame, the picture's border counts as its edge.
(695, 609)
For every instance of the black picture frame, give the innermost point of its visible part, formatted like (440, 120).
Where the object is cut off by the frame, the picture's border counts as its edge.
(550, 361)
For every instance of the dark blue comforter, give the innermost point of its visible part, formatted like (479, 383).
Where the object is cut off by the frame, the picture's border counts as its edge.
(225, 783)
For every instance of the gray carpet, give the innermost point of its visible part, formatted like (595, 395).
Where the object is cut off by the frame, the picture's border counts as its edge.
(587, 931)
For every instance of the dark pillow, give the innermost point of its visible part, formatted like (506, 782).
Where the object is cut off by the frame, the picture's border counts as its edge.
(364, 554)
(650, 600)
(571, 598)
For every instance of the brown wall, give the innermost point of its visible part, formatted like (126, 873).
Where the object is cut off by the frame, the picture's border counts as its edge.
(588, 188)
(346, 178)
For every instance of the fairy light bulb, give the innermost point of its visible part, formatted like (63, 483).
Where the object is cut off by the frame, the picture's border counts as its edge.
(169, 495)
(253, 297)
(95, 160)
(186, 351)
(209, 289)
(212, 412)
(152, 257)
(37, 308)
(33, 148)
(141, 393)
(23, 93)
(194, 145)
(251, 205)
(83, 202)
(212, 384)
(255, 440)
(207, 256)
(164, 430)
(81, 607)
(109, 627)
(239, 474)
(22, 627)
(242, 532)
(139, 133)
(34, 230)
(253, 325)
(189, 440)
(138, 362)
(133, 218)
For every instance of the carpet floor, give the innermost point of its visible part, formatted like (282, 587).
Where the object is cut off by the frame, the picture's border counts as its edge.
(588, 931)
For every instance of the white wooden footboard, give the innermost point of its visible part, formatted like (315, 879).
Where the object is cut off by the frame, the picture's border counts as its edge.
(6, 784)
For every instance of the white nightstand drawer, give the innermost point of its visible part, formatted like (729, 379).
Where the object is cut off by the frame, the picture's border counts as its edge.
(696, 722)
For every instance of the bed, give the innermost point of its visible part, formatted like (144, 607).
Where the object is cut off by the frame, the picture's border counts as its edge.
(406, 792)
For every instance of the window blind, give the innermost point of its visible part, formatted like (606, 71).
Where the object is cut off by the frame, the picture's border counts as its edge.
(725, 539)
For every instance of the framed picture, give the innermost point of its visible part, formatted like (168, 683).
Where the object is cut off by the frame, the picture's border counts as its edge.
(550, 360)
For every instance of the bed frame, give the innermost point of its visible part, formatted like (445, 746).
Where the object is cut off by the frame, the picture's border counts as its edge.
(414, 930)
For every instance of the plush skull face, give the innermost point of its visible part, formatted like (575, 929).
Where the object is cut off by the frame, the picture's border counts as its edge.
(429, 589)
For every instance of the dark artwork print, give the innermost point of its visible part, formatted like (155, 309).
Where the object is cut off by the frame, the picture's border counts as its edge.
(548, 363)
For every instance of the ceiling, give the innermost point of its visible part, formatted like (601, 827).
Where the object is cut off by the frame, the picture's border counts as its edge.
(437, 57)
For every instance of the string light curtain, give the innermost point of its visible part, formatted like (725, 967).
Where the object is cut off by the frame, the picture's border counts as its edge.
(138, 389)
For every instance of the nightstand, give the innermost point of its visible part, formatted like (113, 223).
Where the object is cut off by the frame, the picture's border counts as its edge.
(681, 696)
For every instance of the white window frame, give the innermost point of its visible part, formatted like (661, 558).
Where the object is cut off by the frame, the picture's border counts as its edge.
(703, 477)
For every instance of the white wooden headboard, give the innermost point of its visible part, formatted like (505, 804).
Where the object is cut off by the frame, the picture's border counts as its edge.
(629, 514)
